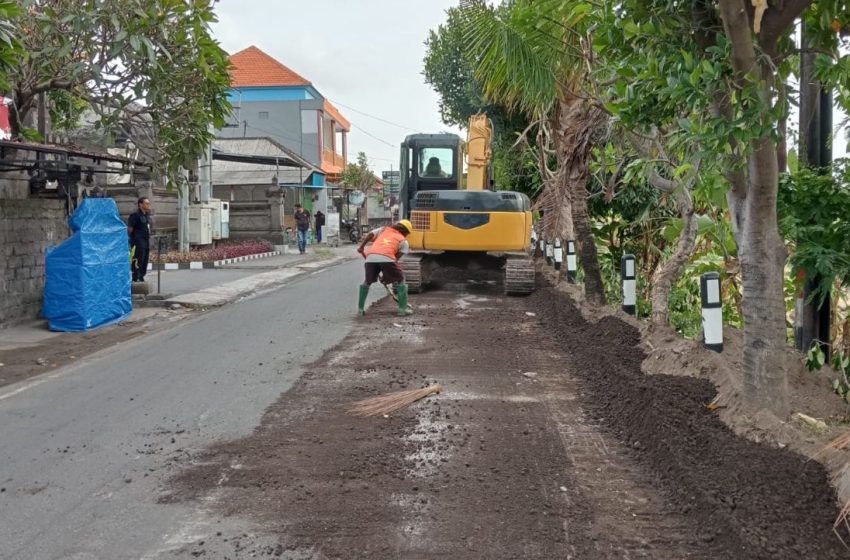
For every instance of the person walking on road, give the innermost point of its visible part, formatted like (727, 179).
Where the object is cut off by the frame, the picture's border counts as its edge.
(388, 245)
(139, 232)
(302, 227)
(319, 220)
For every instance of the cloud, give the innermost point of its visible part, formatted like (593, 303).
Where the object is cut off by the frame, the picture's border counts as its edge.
(366, 55)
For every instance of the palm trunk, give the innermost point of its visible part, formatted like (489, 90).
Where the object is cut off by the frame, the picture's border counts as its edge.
(594, 289)
(576, 126)
(672, 269)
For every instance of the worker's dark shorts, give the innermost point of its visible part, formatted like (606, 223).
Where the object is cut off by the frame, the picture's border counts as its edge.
(391, 271)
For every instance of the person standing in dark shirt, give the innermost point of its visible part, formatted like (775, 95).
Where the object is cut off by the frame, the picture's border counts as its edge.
(302, 227)
(319, 218)
(139, 231)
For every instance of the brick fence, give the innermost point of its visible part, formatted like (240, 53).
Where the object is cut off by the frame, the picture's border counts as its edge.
(27, 228)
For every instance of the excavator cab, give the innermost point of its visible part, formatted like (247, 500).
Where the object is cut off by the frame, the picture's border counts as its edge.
(457, 223)
(429, 162)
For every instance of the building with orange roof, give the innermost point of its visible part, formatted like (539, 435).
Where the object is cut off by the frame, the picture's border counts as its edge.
(272, 100)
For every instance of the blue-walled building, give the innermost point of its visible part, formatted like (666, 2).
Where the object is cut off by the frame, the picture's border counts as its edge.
(271, 100)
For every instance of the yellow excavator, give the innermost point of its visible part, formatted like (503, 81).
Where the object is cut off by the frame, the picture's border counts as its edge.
(470, 228)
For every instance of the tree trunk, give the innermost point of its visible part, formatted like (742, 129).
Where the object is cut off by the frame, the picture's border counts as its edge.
(672, 269)
(762, 256)
(576, 127)
(760, 248)
(594, 289)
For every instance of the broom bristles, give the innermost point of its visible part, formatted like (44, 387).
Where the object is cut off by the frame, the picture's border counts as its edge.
(391, 402)
(840, 442)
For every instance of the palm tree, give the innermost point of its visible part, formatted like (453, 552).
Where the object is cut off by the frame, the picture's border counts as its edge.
(530, 56)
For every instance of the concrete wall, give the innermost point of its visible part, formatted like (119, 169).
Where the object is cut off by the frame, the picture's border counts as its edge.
(283, 124)
(27, 228)
(259, 219)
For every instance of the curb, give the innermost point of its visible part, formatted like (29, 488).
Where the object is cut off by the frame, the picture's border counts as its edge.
(199, 265)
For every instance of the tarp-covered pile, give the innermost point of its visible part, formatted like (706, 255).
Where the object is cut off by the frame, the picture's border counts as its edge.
(87, 281)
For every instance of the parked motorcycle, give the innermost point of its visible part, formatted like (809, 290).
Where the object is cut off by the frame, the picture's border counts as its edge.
(353, 230)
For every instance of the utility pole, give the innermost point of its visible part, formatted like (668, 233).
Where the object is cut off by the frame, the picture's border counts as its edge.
(183, 211)
(205, 172)
(812, 322)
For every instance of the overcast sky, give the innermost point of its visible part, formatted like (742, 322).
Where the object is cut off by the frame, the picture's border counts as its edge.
(363, 55)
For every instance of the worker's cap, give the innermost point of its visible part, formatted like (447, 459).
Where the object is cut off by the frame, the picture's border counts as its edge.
(405, 224)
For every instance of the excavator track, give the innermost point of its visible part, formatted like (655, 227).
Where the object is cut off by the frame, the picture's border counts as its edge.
(519, 275)
(411, 266)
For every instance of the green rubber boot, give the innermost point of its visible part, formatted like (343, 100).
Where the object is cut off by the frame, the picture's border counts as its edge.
(403, 308)
(361, 302)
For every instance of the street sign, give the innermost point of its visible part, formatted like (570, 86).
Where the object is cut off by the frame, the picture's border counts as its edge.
(392, 183)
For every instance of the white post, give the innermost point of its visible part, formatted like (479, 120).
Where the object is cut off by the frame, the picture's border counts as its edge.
(712, 311)
(542, 244)
(550, 252)
(572, 264)
(558, 254)
(627, 273)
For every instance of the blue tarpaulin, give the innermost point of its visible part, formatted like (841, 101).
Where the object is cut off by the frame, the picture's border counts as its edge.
(87, 278)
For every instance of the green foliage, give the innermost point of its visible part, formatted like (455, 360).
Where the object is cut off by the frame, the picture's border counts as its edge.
(147, 67)
(10, 46)
(814, 211)
(65, 109)
(359, 175)
(815, 360)
(449, 70)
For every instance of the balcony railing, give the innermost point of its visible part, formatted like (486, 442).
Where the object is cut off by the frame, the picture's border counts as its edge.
(330, 158)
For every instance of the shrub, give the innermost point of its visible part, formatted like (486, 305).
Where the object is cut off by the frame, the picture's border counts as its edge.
(224, 251)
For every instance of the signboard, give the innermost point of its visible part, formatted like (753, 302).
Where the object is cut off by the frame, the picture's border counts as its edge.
(392, 183)
(356, 198)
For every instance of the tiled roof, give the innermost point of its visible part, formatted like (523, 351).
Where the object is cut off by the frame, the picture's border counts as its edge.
(336, 115)
(253, 67)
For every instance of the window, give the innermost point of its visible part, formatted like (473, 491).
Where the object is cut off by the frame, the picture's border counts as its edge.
(436, 163)
(263, 115)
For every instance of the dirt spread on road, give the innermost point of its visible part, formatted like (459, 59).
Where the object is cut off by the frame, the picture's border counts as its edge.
(62, 349)
(547, 442)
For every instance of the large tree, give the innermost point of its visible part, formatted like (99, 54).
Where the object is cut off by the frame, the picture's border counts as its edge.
(449, 69)
(531, 57)
(10, 47)
(722, 66)
(359, 175)
(758, 42)
(147, 68)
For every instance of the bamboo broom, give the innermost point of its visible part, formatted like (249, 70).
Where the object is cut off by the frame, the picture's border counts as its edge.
(391, 402)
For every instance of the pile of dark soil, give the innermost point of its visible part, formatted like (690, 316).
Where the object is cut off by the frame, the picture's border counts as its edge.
(751, 500)
(459, 268)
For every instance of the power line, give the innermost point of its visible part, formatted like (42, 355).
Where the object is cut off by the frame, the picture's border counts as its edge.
(373, 116)
(367, 133)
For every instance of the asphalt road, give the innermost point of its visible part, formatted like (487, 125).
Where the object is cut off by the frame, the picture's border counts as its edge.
(85, 455)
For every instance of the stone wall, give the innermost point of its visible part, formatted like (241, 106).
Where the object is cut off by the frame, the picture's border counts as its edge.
(259, 219)
(27, 228)
(29, 224)
(163, 206)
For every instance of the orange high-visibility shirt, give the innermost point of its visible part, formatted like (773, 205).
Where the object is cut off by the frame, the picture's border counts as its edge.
(386, 244)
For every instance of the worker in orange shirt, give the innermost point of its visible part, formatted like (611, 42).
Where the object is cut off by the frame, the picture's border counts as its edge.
(388, 245)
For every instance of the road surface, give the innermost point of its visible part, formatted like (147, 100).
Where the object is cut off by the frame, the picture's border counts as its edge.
(84, 454)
